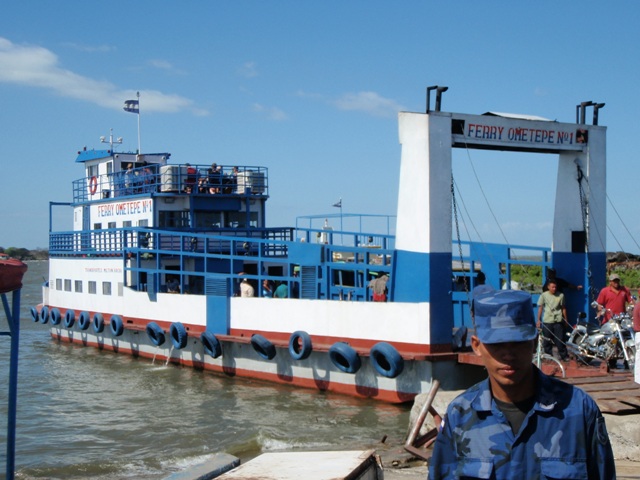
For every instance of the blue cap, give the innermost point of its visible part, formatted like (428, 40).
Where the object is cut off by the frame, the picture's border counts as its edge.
(504, 316)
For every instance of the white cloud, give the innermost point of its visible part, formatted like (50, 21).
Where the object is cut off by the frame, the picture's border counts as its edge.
(272, 113)
(370, 103)
(89, 48)
(248, 70)
(165, 65)
(38, 67)
(161, 64)
(367, 102)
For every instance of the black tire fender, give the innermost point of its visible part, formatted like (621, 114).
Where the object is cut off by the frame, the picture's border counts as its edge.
(345, 357)
(386, 360)
(263, 347)
(178, 334)
(211, 344)
(300, 345)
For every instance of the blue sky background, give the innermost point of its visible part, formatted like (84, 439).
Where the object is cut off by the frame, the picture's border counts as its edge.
(311, 90)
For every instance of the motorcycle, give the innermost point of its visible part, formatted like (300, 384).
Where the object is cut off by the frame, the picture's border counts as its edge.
(610, 342)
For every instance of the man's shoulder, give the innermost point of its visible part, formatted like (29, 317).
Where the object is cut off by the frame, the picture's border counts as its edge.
(559, 394)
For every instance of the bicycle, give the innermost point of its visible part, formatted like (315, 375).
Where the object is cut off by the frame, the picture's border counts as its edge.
(545, 362)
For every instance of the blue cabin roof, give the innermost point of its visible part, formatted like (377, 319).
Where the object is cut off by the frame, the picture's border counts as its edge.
(87, 155)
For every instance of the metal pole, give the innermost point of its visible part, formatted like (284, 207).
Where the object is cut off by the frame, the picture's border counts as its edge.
(13, 319)
(341, 229)
(139, 145)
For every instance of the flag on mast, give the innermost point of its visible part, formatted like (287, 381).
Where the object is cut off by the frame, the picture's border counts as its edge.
(132, 106)
(338, 204)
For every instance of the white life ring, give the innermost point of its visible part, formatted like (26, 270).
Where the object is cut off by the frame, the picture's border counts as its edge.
(93, 185)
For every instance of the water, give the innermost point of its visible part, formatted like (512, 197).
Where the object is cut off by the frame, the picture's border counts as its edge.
(85, 413)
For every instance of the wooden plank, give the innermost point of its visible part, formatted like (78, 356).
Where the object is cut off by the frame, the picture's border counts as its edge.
(611, 387)
(602, 379)
(615, 407)
(615, 395)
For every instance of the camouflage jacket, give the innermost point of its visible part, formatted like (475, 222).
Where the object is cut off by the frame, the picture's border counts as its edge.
(563, 436)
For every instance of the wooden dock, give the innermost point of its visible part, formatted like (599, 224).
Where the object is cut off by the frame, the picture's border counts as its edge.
(615, 393)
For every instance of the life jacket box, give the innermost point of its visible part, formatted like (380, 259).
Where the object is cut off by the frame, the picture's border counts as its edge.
(172, 178)
(251, 179)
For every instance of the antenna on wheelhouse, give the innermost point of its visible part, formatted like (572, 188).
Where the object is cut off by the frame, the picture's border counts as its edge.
(111, 141)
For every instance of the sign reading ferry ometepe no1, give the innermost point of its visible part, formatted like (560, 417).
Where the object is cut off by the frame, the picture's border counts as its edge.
(491, 130)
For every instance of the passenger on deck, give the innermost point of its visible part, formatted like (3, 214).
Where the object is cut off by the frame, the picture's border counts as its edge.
(282, 291)
(246, 290)
(295, 285)
(190, 182)
(230, 181)
(173, 286)
(267, 289)
(147, 178)
(203, 185)
(215, 178)
(128, 180)
(379, 287)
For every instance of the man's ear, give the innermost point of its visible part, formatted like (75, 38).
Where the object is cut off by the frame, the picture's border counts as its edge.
(475, 345)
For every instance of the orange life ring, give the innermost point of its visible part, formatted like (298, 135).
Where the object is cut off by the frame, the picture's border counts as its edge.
(93, 185)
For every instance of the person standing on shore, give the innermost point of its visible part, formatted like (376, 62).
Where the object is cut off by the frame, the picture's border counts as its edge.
(518, 423)
(613, 299)
(636, 328)
(561, 283)
(551, 304)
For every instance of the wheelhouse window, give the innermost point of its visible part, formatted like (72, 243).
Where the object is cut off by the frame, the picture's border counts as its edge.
(92, 287)
(67, 285)
(173, 219)
(78, 286)
(106, 288)
(239, 219)
(208, 220)
(58, 284)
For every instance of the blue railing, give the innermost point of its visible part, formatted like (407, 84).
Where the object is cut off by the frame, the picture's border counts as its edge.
(496, 261)
(173, 179)
(345, 261)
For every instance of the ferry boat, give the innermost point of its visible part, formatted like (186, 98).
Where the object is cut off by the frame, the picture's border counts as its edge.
(174, 262)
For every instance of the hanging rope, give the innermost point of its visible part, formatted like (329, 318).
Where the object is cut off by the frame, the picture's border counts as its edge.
(455, 217)
(584, 211)
(623, 224)
(485, 196)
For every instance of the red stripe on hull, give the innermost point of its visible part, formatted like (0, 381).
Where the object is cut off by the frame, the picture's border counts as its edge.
(389, 396)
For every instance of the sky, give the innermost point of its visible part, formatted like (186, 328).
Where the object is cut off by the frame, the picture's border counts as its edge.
(312, 91)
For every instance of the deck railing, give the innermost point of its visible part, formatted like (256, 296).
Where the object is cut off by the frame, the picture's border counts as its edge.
(342, 270)
(173, 179)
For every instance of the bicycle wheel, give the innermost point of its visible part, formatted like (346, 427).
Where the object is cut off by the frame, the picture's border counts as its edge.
(552, 366)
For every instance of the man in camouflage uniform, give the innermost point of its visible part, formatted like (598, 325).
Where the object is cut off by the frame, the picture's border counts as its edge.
(519, 423)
